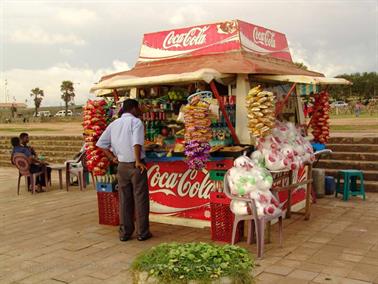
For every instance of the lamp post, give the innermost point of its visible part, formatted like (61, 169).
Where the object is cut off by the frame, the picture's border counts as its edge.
(73, 99)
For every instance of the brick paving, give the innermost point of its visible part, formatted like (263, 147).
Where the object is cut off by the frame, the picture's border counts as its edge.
(54, 237)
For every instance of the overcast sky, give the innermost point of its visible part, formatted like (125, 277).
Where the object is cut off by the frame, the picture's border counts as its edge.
(43, 43)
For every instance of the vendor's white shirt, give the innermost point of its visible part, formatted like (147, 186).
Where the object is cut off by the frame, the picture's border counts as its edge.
(122, 135)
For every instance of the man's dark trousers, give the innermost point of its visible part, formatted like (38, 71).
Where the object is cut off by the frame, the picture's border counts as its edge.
(133, 197)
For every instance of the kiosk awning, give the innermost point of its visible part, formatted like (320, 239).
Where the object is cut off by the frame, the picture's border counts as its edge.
(128, 81)
(303, 79)
(202, 67)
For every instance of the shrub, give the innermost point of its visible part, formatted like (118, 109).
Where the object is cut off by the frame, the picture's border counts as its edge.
(201, 262)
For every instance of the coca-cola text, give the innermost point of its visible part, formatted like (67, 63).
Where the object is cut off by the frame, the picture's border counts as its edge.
(265, 38)
(195, 36)
(186, 183)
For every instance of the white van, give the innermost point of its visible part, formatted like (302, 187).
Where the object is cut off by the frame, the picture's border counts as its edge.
(45, 113)
(63, 113)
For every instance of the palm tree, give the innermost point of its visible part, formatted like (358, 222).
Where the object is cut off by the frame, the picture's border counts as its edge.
(38, 95)
(68, 92)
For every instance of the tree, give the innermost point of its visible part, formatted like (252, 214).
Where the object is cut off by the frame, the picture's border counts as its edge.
(365, 86)
(37, 95)
(68, 93)
(301, 65)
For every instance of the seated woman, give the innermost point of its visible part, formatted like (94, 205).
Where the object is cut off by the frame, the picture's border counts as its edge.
(35, 164)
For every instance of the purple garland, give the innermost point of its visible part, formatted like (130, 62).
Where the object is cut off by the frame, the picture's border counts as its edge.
(197, 154)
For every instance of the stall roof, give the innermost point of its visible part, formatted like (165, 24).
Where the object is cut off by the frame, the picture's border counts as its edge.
(120, 81)
(302, 79)
(222, 64)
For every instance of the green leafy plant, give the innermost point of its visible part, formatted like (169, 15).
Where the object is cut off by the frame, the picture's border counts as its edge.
(202, 262)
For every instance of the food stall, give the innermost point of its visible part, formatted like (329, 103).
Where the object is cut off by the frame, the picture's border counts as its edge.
(222, 61)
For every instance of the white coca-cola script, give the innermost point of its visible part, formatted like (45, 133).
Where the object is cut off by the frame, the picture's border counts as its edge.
(181, 184)
(265, 38)
(195, 36)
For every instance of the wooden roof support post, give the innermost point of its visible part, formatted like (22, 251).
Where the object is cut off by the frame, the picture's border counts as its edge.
(115, 95)
(224, 112)
(280, 105)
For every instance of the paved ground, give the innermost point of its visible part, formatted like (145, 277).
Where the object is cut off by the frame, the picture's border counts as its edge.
(54, 237)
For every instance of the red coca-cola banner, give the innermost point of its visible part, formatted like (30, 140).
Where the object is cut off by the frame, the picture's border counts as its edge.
(213, 38)
(263, 41)
(178, 191)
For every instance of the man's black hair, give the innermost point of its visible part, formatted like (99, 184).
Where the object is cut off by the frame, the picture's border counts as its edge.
(129, 105)
(15, 141)
(23, 135)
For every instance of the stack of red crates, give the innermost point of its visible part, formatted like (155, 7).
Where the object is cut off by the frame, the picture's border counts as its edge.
(222, 218)
(108, 208)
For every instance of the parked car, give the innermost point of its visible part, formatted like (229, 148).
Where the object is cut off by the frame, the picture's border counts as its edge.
(45, 113)
(339, 104)
(63, 113)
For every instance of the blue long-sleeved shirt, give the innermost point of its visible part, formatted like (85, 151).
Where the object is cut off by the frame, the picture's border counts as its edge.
(122, 135)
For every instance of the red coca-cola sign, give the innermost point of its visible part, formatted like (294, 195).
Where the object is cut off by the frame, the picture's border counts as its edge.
(178, 191)
(263, 41)
(213, 38)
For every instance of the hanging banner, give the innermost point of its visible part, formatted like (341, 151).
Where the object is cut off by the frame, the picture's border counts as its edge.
(178, 191)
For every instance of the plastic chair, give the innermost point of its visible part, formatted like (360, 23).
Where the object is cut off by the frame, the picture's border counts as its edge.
(79, 172)
(23, 165)
(256, 224)
(350, 184)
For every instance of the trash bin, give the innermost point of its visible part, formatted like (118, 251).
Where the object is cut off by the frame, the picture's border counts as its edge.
(330, 185)
(318, 176)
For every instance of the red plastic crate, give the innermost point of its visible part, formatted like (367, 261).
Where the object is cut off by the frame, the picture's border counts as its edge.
(108, 208)
(222, 219)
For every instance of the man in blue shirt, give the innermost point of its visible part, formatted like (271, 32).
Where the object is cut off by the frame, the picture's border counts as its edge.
(35, 164)
(125, 138)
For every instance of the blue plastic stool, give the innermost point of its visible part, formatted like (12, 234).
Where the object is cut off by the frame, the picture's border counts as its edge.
(350, 184)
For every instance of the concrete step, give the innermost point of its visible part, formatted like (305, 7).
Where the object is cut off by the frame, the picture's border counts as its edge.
(354, 156)
(371, 148)
(40, 148)
(42, 137)
(368, 175)
(348, 164)
(353, 140)
(370, 186)
(35, 143)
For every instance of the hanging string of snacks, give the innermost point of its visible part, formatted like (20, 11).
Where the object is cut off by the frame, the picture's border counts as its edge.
(260, 106)
(95, 122)
(197, 132)
(319, 122)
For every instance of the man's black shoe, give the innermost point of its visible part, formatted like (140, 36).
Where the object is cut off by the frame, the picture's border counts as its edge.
(144, 238)
(124, 238)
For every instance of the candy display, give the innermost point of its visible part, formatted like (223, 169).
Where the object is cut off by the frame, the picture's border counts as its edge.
(285, 148)
(251, 180)
(197, 154)
(320, 117)
(261, 116)
(197, 132)
(95, 121)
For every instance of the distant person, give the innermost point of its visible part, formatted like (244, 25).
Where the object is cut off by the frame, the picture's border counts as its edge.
(24, 139)
(36, 165)
(358, 108)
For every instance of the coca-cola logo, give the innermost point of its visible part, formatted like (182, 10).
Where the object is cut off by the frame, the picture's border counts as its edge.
(195, 36)
(185, 184)
(265, 38)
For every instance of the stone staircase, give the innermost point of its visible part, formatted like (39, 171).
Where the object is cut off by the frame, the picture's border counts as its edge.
(55, 149)
(353, 153)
